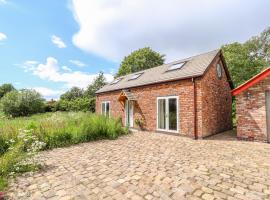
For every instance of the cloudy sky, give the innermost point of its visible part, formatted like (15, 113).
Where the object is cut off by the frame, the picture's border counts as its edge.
(53, 45)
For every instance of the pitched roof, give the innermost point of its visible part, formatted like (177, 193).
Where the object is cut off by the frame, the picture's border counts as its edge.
(251, 82)
(194, 66)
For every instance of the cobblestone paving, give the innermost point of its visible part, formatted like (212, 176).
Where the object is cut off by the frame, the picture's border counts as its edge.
(152, 166)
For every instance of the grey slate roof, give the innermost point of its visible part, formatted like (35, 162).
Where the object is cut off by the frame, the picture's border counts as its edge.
(195, 66)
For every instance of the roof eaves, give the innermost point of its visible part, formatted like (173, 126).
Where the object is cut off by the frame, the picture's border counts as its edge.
(251, 82)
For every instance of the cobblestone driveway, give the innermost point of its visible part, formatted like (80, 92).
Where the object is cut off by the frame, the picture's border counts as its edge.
(152, 166)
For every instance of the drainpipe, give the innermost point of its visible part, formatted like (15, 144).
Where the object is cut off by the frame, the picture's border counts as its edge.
(195, 109)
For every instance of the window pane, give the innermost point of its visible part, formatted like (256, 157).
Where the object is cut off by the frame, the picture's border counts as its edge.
(107, 109)
(103, 109)
(161, 113)
(172, 114)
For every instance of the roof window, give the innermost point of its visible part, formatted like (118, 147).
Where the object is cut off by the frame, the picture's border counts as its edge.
(116, 81)
(135, 76)
(176, 66)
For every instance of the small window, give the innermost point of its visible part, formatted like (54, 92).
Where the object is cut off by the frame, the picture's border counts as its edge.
(135, 76)
(219, 70)
(116, 80)
(176, 66)
(105, 108)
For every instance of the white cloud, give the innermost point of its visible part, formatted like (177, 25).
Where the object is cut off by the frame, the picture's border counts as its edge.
(3, 2)
(66, 68)
(51, 71)
(77, 63)
(3, 36)
(29, 65)
(48, 93)
(58, 42)
(112, 29)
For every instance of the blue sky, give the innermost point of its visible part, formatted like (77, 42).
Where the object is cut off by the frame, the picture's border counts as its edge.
(53, 45)
(29, 27)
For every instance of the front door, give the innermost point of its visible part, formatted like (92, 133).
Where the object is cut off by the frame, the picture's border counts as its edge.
(129, 113)
(267, 100)
(167, 114)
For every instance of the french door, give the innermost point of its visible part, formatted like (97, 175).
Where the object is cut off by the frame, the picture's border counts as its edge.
(167, 113)
(129, 113)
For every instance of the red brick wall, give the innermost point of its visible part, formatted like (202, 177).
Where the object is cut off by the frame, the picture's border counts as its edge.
(216, 102)
(213, 103)
(146, 106)
(251, 112)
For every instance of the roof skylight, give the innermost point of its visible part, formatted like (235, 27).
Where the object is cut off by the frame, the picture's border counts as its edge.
(176, 66)
(135, 76)
(116, 80)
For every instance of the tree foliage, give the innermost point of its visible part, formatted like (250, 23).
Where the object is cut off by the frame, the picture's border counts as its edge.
(77, 99)
(22, 103)
(72, 94)
(140, 59)
(5, 88)
(248, 59)
(98, 83)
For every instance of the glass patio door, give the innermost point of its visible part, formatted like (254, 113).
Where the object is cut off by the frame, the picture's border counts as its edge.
(129, 113)
(167, 117)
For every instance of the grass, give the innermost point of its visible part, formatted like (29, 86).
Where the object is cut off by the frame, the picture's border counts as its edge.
(56, 130)
(61, 129)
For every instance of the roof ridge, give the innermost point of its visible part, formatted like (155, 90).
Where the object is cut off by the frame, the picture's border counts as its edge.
(165, 64)
(195, 66)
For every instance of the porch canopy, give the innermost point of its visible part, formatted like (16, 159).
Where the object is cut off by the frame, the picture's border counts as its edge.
(126, 95)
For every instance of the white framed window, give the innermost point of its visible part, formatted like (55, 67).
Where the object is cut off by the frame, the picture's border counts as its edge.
(168, 114)
(135, 76)
(176, 66)
(105, 108)
(219, 69)
(116, 81)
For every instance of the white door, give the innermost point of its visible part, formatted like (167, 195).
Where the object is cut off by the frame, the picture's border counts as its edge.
(129, 113)
(167, 114)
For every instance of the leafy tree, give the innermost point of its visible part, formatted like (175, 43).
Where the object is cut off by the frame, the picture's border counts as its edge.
(248, 59)
(140, 59)
(22, 103)
(78, 104)
(72, 94)
(50, 106)
(98, 83)
(5, 88)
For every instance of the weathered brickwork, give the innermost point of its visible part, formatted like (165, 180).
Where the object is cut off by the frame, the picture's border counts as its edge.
(146, 104)
(216, 102)
(251, 112)
(213, 103)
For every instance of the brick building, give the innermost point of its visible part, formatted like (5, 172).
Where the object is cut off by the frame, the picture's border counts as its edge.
(190, 97)
(253, 108)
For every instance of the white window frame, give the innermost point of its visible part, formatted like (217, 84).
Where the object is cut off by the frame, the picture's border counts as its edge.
(131, 125)
(167, 118)
(106, 102)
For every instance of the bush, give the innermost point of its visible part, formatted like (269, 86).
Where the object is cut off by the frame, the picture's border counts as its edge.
(22, 103)
(78, 104)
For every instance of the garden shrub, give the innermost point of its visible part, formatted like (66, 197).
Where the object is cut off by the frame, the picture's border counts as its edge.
(22, 103)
